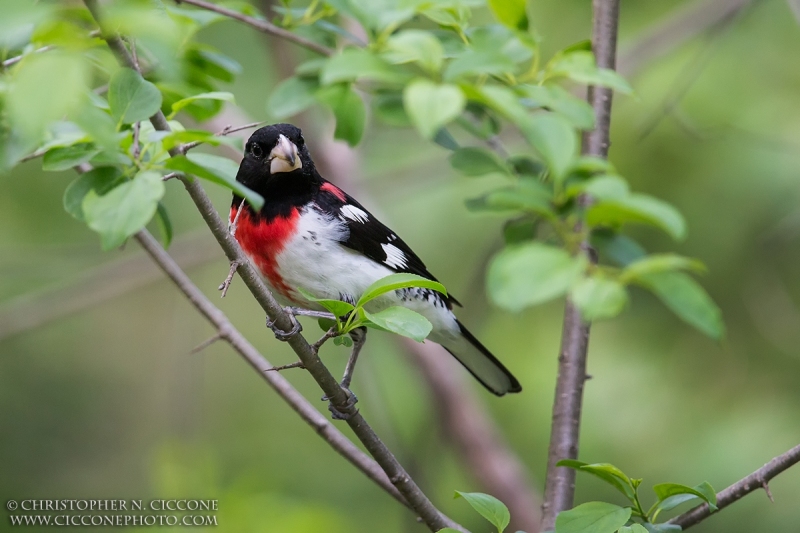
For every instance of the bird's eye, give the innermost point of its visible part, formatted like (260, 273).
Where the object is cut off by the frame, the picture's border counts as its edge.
(301, 141)
(257, 151)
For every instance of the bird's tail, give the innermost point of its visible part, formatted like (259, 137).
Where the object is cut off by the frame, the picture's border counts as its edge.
(481, 363)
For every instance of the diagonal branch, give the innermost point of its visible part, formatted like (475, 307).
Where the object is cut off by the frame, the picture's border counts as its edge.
(757, 480)
(415, 497)
(261, 25)
(564, 438)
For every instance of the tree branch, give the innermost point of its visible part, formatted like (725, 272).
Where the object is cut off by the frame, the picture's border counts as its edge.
(564, 438)
(416, 499)
(261, 25)
(757, 480)
(227, 332)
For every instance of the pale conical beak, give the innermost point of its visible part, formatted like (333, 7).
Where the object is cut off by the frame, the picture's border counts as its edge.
(284, 157)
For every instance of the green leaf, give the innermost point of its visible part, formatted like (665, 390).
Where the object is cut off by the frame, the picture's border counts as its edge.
(164, 224)
(488, 507)
(601, 187)
(292, 96)
(348, 109)
(703, 491)
(527, 196)
(415, 46)
(599, 298)
(589, 165)
(487, 62)
(389, 109)
(131, 97)
(216, 95)
(431, 106)
(68, 156)
(687, 299)
(504, 101)
(219, 170)
(355, 64)
(620, 249)
(554, 138)
(124, 210)
(325, 324)
(100, 179)
(32, 103)
(667, 504)
(338, 307)
(518, 230)
(659, 263)
(634, 528)
(344, 340)
(403, 321)
(580, 66)
(446, 140)
(511, 13)
(477, 162)
(531, 273)
(607, 472)
(592, 517)
(638, 208)
(557, 99)
(395, 282)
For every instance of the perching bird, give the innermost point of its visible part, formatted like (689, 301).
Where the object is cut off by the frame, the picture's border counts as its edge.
(312, 235)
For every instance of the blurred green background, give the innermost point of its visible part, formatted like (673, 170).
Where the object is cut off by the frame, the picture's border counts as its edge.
(108, 402)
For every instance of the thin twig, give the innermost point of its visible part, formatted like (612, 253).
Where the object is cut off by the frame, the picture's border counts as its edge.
(322, 340)
(225, 131)
(261, 25)
(564, 438)
(225, 285)
(757, 480)
(296, 364)
(339, 399)
(206, 343)
(234, 264)
(16, 59)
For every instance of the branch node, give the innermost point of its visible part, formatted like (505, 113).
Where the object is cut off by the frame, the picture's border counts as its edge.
(765, 486)
(229, 279)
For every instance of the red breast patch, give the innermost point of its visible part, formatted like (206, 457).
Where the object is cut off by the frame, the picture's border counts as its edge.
(263, 240)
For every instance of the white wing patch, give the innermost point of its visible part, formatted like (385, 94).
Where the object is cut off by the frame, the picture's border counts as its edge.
(354, 213)
(394, 256)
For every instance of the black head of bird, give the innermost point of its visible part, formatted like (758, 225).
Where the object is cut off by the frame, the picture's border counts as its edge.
(276, 155)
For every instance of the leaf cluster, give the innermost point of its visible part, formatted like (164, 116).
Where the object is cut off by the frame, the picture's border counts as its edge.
(384, 316)
(98, 116)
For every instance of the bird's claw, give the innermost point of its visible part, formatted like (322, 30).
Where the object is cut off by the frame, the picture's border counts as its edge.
(285, 335)
(336, 414)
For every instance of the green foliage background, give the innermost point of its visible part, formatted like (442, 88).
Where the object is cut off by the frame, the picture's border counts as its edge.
(108, 402)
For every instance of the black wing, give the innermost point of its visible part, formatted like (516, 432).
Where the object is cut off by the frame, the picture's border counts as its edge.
(370, 237)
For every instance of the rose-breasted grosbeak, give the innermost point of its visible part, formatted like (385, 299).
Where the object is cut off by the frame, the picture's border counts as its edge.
(311, 234)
